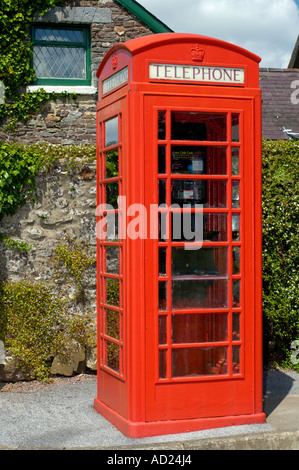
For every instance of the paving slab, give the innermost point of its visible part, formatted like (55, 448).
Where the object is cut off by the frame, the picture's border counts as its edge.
(61, 416)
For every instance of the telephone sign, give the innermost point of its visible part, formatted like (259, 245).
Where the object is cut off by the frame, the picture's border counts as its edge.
(195, 73)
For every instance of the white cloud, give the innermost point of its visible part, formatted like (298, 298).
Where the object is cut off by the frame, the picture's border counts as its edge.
(269, 28)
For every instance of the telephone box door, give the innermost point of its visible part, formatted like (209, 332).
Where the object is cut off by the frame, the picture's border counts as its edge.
(200, 262)
(112, 371)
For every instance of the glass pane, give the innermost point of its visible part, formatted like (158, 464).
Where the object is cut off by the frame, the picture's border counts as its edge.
(216, 161)
(161, 159)
(188, 160)
(59, 62)
(215, 227)
(162, 192)
(188, 192)
(184, 225)
(199, 328)
(199, 361)
(112, 169)
(162, 363)
(236, 359)
(112, 355)
(198, 263)
(162, 261)
(58, 35)
(236, 260)
(236, 327)
(107, 228)
(112, 259)
(163, 219)
(209, 193)
(236, 227)
(235, 195)
(216, 194)
(201, 293)
(111, 131)
(112, 292)
(162, 295)
(235, 161)
(162, 329)
(235, 127)
(162, 125)
(112, 324)
(198, 126)
(112, 194)
(236, 293)
(198, 160)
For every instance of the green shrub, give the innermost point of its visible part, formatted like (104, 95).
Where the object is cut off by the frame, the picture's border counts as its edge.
(76, 258)
(33, 325)
(280, 248)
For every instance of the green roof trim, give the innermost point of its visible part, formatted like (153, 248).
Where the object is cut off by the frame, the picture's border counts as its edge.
(145, 16)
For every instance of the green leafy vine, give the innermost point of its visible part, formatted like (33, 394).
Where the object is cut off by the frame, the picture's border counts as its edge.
(16, 71)
(19, 165)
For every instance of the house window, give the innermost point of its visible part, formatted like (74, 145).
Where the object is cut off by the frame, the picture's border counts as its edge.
(61, 55)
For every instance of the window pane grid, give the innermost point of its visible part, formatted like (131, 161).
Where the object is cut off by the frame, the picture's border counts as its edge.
(224, 358)
(110, 266)
(61, 54)
(59, 62)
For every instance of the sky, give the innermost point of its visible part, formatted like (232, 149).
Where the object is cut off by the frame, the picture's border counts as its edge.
(268, 28)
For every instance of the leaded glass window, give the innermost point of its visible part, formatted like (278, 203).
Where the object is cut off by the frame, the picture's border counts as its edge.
(61, 55)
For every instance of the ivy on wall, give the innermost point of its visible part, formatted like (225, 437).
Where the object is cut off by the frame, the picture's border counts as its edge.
(20, 163)
(16, 71)
(18, 168)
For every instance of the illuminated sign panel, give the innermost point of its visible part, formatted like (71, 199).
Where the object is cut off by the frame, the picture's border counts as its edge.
(196, 73)
(115, 80)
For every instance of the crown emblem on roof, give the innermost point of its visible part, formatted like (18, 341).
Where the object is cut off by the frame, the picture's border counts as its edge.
(197, 54)
(114, 61)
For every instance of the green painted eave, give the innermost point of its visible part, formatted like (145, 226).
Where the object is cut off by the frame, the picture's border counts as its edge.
(145, 16)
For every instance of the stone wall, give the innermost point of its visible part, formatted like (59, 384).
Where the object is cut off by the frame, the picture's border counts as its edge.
(63, 121)
(65, 206)
(66, 121)
(66, 199)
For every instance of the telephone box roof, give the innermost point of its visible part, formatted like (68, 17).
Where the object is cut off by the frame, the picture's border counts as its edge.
(138, 45)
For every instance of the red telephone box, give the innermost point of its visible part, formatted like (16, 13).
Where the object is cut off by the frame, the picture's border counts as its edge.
(179, 316)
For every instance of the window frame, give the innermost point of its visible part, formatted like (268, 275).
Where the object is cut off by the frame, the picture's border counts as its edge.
(86, 45)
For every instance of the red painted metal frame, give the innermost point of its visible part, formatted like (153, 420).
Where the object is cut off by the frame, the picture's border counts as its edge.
(135, 398)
